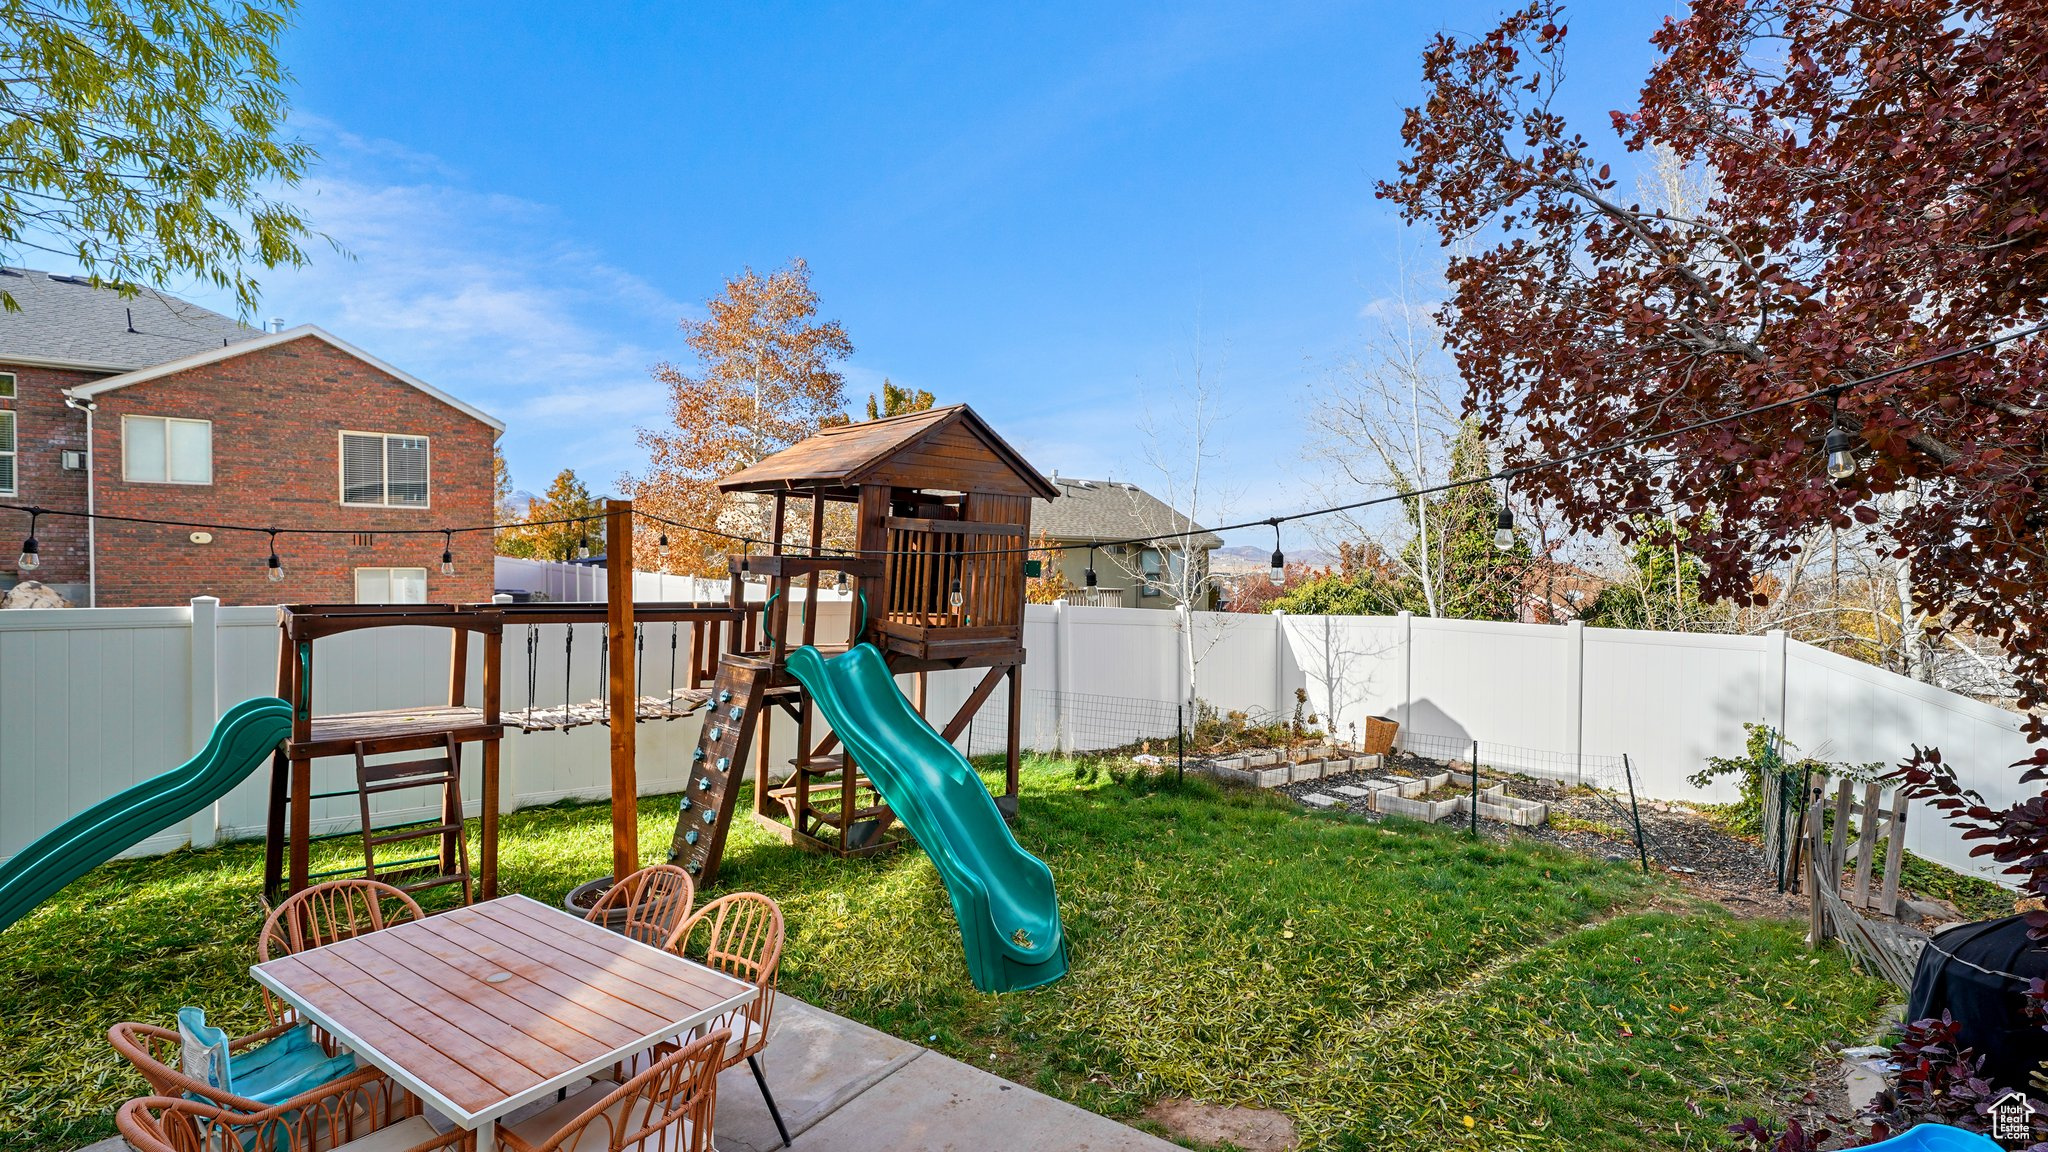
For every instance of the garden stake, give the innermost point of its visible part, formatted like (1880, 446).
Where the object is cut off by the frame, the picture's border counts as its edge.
(1475, 788)
(1628, 773)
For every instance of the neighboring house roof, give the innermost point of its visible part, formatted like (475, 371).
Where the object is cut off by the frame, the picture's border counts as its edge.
(1094, 510)
(64, 321)
(271, 340)
(951, 441)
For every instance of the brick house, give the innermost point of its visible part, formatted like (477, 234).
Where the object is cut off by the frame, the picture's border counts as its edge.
(154, 407)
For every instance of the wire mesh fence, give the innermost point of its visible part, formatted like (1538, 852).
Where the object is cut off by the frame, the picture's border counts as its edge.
(1075, 723)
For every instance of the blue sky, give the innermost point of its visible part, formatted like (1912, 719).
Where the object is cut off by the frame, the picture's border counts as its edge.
(1034, 210)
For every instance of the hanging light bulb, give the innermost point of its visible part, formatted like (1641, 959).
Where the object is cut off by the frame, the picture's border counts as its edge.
(842, 580)
(1839, 446)
(1089, 576)
(582, 540)
(661, 544)
(1504, 530)
(447, 553)
(273, 567)
(1278, 573)
(31, 553)
(953, 596)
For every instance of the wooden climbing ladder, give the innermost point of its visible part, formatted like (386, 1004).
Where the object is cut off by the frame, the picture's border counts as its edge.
(449, 864)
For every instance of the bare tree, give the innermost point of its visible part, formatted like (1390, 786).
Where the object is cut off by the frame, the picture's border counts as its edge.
(1181, 448)
(1388, 422)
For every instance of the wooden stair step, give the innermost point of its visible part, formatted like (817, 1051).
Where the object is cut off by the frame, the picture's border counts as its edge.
(398, 836)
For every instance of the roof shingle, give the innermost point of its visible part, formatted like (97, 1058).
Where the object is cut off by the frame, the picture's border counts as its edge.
(1095, 510)
(65, 320)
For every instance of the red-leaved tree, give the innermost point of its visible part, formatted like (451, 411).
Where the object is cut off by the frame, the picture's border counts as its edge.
(1875, 190)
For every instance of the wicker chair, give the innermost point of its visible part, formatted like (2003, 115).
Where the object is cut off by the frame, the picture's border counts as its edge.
(323, 914)
(177, 1124)
(650, 905)
(742, 938)
(366, 1093)
(668, 1108)
(364, 1112)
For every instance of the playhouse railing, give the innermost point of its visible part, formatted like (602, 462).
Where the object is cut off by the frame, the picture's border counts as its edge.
(954, 574)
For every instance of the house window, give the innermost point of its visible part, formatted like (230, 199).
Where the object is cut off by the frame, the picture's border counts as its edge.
(162, 450)
(1148, 567)
(6, 385)
(391, 585)
(6, 452)
(382, 470)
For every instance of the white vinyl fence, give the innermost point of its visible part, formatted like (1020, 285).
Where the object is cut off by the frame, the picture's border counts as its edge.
(562, 582)
(94, 700)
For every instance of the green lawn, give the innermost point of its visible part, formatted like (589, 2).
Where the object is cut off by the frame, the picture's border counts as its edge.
(1386, 985)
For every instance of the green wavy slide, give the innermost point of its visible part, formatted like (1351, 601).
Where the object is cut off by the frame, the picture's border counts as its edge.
(1002, 895)
(241, 742)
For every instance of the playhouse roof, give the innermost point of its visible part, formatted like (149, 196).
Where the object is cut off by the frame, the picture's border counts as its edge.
(942, 449)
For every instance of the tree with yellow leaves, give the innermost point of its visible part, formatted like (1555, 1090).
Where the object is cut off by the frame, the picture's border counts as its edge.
(765, 380)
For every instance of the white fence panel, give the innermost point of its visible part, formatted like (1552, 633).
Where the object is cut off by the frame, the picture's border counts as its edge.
(1486, 681)
(1670, 700)
(1840, 709)
(86, 694)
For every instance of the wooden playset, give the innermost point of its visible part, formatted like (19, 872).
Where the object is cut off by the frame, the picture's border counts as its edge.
(935, 574)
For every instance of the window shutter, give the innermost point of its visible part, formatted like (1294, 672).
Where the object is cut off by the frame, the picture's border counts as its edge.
(6, 451)
(362, 469)
(405, 460)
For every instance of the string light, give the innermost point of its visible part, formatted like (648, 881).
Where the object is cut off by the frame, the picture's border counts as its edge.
(1840, 445)
(953, 596)
(1504, 524)
(447, 553)
(1278, 573)
(661, 545)
(31, 553)
(1839, 448)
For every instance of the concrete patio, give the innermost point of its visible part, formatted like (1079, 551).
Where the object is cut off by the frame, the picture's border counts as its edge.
(846, 1087)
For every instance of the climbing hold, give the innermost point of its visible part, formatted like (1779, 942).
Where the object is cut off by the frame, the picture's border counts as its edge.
(704, 783)
(696, 754)
(724, 696)
(692, 867)
(715, 733)
(710, 816)
(724, 762)
(690, 837)
(735, 712)
(686, 804)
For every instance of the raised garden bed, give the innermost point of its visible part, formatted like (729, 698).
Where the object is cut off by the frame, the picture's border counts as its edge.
(1271, 767)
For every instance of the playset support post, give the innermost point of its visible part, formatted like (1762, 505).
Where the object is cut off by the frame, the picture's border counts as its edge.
(624, 695)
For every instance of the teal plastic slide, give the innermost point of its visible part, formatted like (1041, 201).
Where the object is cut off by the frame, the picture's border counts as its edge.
(240, 743)
(1002, 895)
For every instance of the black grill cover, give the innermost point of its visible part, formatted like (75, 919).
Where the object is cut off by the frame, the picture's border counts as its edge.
(1989, 1009)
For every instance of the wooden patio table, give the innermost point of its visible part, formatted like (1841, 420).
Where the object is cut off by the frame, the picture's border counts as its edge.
(485, 1009)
